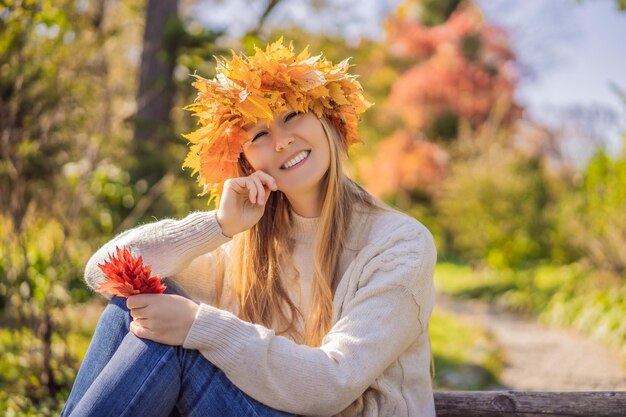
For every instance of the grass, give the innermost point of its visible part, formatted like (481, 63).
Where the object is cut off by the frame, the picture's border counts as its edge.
(467, 357)
(571, 296)
(21, 390)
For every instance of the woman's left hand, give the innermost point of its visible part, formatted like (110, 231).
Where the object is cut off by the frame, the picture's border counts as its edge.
(164, 318)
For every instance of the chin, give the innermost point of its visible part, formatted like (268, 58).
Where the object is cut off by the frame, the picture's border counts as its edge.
(291, 186)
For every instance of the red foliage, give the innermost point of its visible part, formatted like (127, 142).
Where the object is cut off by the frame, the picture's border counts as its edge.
(126, 275)
(404, 163)
(463, 66)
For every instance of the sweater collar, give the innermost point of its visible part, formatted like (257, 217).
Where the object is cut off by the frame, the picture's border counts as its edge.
(304, 228)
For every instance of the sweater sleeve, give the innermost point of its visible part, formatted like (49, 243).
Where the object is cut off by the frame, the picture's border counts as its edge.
(168, 245)
(388, 312)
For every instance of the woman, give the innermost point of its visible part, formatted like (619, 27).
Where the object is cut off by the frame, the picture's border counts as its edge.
(301, 294)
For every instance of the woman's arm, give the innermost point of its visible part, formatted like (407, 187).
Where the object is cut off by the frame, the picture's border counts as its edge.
(168, 245)
(388, 312)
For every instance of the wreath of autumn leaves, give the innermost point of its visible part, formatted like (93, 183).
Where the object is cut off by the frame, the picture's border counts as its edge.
(251, 89)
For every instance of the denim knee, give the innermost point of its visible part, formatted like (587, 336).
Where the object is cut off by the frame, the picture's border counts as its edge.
(120, 302)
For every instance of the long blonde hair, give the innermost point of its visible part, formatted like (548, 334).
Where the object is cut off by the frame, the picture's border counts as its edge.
(259, 254)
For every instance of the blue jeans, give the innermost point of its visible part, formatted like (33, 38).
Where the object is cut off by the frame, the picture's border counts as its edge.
(124, 375)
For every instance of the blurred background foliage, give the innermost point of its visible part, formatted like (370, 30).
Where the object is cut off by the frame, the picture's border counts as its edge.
(91, 97)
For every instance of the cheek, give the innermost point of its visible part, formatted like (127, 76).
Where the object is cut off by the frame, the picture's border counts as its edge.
(324, 146)
(254, 159)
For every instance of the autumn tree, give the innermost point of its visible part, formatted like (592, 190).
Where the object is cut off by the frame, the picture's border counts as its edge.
(462, 67)
(456, 74)
(457, 68)
(406, 168)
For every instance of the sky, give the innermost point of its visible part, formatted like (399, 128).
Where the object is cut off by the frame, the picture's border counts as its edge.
(571, 50)
(576, 49)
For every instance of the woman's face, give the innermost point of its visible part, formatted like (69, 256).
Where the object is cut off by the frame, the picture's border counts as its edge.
(293, 149)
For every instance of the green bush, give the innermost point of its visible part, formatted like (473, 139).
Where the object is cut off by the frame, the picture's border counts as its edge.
(591, 217)
(493, 206)
(21, 390)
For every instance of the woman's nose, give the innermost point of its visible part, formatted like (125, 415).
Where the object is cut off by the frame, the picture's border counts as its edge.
(283, 141)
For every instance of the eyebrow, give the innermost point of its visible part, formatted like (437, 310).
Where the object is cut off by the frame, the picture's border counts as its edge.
(253, 127)
(248, 125)
(261, 125)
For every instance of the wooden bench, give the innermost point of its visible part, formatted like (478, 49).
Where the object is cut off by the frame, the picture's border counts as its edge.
(517, 403)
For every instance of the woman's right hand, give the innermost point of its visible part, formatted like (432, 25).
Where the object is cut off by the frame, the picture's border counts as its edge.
(243, 202)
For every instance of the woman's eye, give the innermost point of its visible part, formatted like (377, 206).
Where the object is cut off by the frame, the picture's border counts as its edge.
(291, 116)
(258, 135)
(287, 118)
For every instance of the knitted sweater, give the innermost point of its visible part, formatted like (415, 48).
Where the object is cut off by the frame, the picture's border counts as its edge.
(374, 361)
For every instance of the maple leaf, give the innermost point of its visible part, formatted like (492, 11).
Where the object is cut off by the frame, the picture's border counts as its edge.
(126, 275)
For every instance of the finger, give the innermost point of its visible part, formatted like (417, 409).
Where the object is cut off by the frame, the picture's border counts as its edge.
(267, 179)
(140, 331)
(260, 189)
(242, 185)
(253, 191)
(143, 323)
(139, 313)
(138, 301)
(239, 185)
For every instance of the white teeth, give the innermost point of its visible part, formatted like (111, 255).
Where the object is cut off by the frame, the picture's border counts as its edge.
(296, 159)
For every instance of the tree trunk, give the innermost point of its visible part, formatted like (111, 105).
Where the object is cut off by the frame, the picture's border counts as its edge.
(156, 89)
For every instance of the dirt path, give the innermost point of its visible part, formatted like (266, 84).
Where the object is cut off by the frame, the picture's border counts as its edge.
(539, 358)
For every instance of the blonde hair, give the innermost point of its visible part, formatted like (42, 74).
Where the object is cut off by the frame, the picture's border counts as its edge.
(262, 251)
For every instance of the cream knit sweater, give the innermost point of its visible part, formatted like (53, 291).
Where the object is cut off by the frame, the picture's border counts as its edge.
(375, 360)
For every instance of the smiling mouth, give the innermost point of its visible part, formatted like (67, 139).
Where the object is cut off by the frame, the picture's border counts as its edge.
(297, 161)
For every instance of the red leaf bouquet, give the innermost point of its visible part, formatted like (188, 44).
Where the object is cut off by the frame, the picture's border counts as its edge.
(126, 275)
